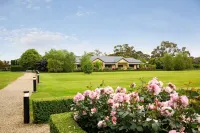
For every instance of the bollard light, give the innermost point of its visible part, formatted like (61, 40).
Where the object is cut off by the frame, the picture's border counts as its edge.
(26, 108)
(38, 78)
(34, 84)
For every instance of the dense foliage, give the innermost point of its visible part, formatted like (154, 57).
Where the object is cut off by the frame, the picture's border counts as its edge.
(42, 109)
(4, 65)
(60, 60)
(86, 64)
(154, 109)
(64, 123)
(29, 58)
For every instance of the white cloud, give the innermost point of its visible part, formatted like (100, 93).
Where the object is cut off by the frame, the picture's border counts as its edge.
(15, 42)
(83, 12)
(35, 4)
(2, 18)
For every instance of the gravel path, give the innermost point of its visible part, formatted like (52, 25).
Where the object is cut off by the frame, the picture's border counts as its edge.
(11, 108)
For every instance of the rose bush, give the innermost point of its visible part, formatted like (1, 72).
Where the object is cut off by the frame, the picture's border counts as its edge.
(154, 108)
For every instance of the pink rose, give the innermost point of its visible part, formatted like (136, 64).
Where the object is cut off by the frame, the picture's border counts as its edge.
(93, 110)
(120, 90)
(174, 97)
(78, 97)
(113, 113)
(107, 118)
(93, 95)
(156, 89)
(184, 101)
(152, 107)
(114, 120)
(172, 131)
(108, 90)
(101, 124)
(110, 101)
(115, 105)
(87, 92)
(198, 119)
(168, 89)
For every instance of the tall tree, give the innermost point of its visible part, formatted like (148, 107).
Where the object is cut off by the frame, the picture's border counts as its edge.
(124, 50)
(29, 59)
(168, 62)
(167, 47)
(86, 63)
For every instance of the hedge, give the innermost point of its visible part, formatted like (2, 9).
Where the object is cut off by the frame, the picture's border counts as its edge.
(64, 123)
(17, 68)
(42, 109)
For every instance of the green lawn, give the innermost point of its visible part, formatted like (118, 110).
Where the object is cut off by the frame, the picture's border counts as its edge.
(8, 77)
(68, 84)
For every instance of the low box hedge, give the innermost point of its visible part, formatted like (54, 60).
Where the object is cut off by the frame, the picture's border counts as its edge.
(17, 68)
(42, 109)
(64, 123)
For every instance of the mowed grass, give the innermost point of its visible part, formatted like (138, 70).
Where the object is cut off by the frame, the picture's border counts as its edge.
(7, 77)
(55, 85)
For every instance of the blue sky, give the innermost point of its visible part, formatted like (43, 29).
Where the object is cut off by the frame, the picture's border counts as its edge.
(85, 25)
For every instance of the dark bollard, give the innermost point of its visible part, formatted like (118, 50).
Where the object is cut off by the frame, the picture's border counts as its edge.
(26, 108)
(38, 78)
(34, 84)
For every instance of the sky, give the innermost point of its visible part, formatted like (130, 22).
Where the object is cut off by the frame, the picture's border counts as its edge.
(86, 25)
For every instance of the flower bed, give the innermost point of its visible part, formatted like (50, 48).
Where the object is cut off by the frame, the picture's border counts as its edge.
(154, 108)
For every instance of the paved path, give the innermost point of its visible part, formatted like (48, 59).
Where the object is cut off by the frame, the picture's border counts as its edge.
(11, 108)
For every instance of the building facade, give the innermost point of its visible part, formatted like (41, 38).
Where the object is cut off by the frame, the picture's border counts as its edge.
(113, 62)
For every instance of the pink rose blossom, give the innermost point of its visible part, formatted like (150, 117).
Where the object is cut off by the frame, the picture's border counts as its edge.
(167, 111)
(101, 124)
(113, 113)
(172, 131)
(168, 89)
(93, 110)
(86, 93)
(120, 90)
(184, 101)
(107, 118)
(115, 106)
(78, 97)
(114, 120)
(110, 101)
(152, 107)
(198, 119)
(93, 95)
(174, 97)
(108, 90)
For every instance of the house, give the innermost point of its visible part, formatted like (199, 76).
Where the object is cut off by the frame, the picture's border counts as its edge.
(113, 62)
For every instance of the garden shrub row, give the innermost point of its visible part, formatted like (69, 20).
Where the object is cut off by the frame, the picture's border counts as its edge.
(42, 109)
(16, 68)
(64, 123)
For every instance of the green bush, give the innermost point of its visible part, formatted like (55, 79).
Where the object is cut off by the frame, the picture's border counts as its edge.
(42, 109)
(64, 123)
(196, 66)
(17, 68)
(88, 67)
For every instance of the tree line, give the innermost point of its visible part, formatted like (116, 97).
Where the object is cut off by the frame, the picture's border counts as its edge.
(166, 56)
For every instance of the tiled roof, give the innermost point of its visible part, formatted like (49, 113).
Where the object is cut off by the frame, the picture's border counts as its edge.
(110, 59)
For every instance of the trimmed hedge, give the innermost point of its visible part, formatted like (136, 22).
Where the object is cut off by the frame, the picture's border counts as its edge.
(64, 123)
(17, 68)
(42, 109)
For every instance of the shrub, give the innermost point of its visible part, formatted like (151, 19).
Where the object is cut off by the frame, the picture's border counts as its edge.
(17, 68)
(154, 108)
(196, 66)
(64, 123)
(88, 67)
(98, 66)
(42, 109)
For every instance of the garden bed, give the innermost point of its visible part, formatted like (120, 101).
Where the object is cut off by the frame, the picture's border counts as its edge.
(64, 123)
